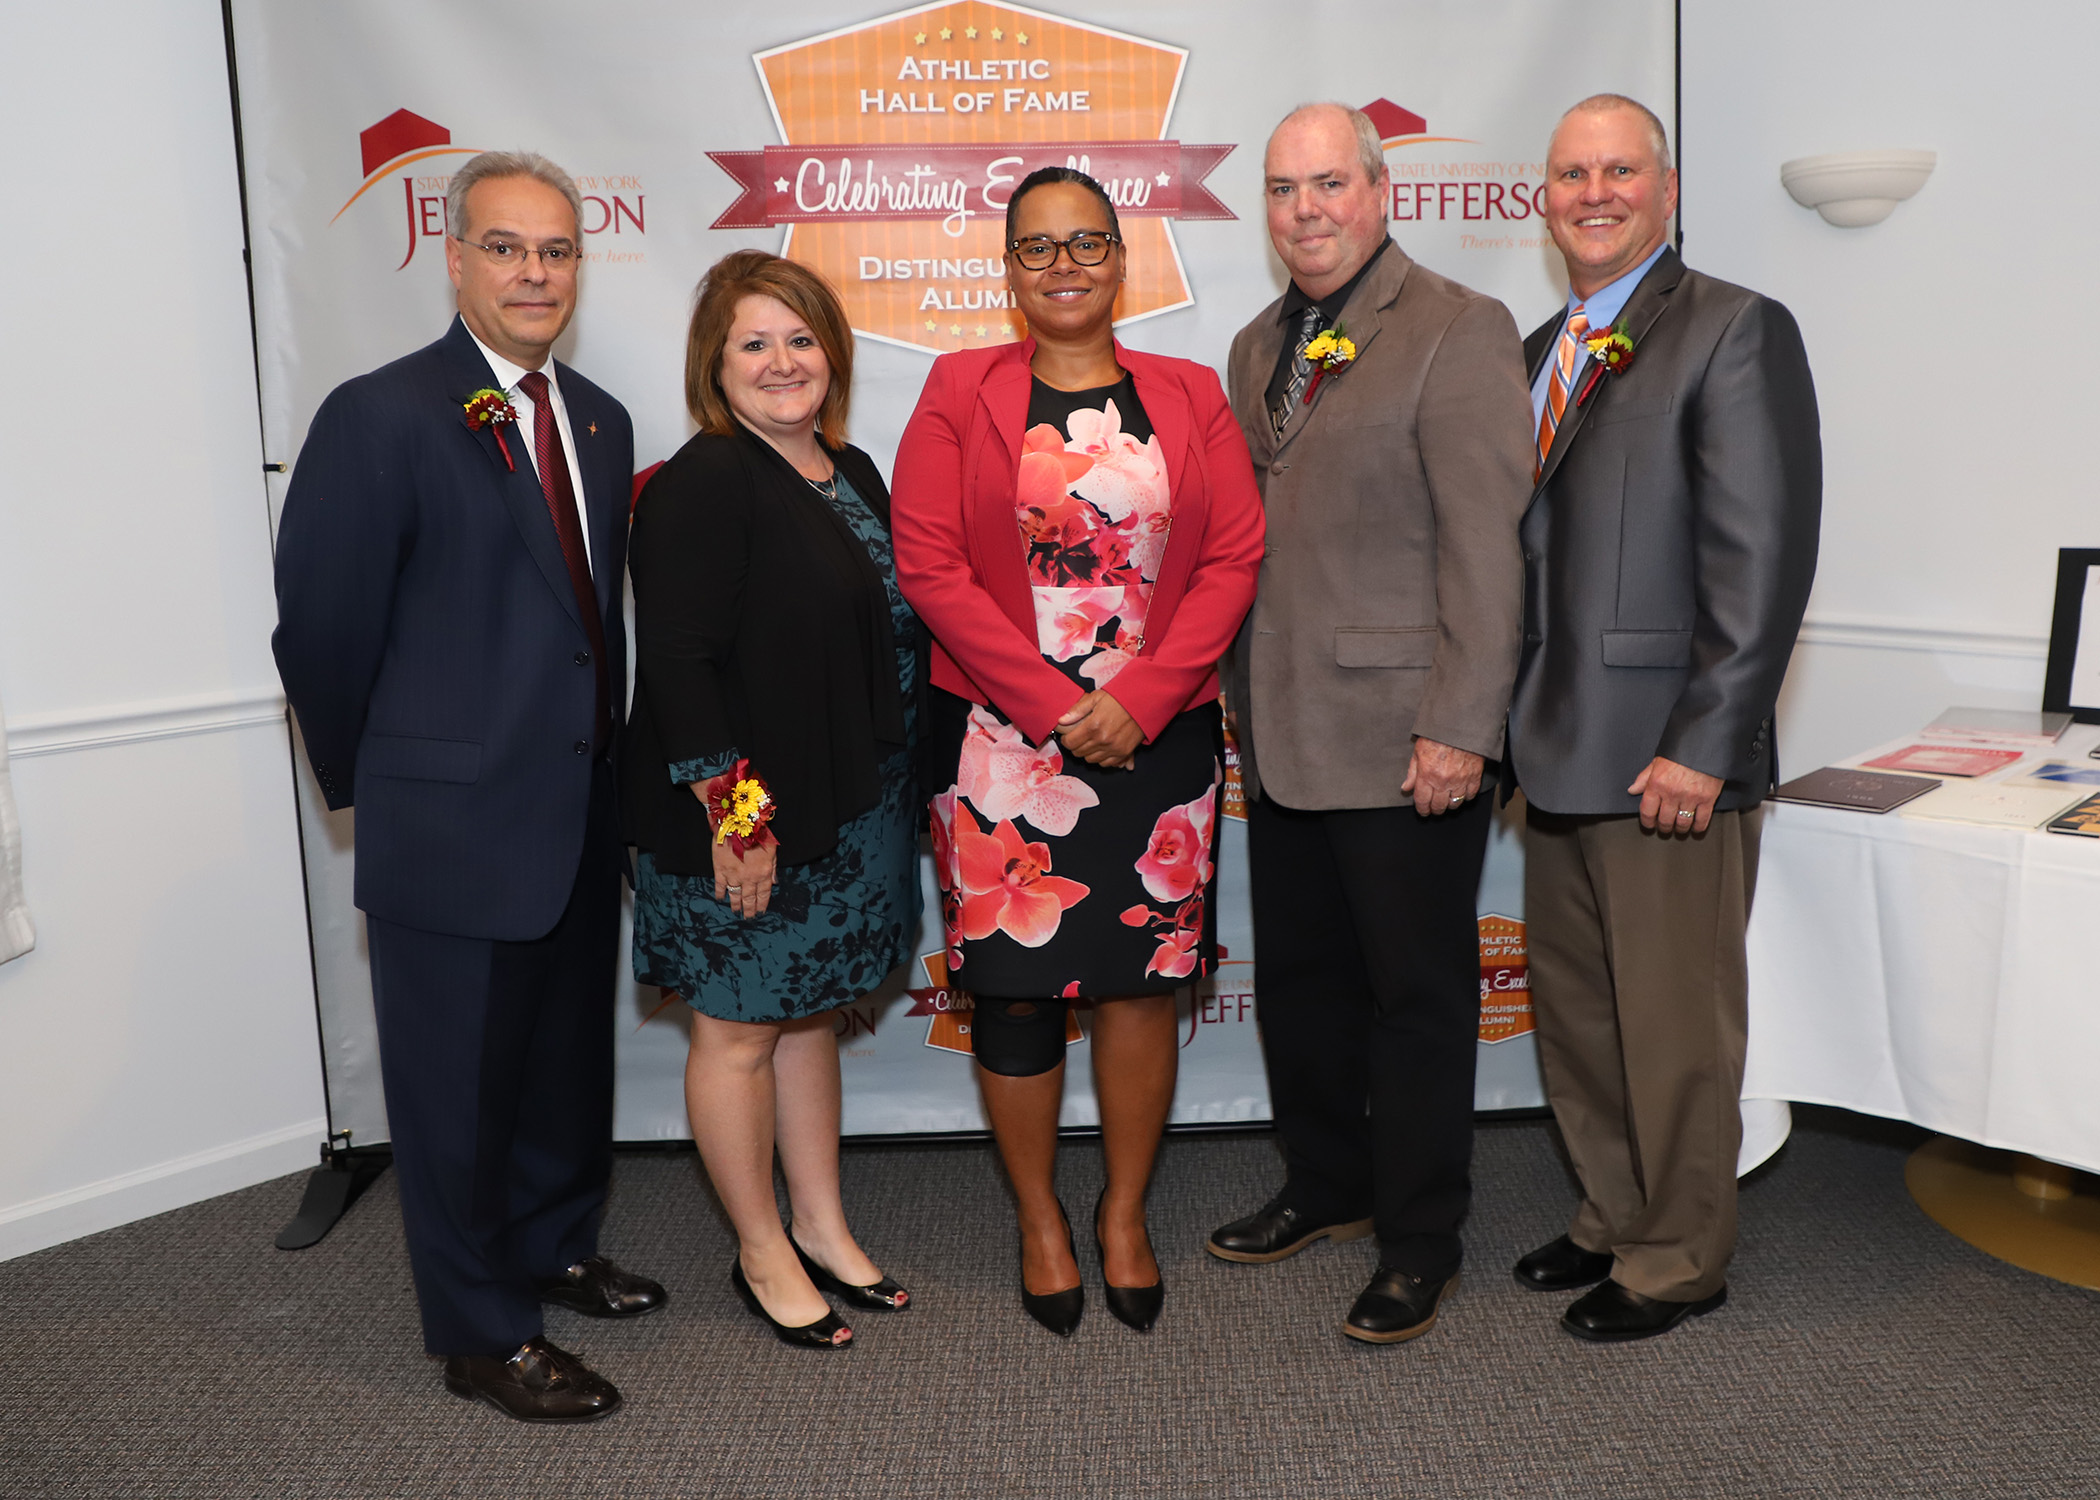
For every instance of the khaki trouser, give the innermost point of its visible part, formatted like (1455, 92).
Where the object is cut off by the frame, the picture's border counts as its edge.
(1640, 988)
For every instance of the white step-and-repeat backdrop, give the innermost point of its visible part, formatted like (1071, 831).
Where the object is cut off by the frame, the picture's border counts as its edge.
(864, 143)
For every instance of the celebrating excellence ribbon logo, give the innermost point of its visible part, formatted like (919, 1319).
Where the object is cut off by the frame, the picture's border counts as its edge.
(956, 182)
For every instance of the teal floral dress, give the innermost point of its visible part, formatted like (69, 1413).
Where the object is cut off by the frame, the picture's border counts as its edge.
(837, 925)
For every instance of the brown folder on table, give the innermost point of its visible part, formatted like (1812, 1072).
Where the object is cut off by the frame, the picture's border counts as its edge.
(1861, 791)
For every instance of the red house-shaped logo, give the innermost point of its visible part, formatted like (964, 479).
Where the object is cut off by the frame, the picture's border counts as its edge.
(1392, 121)
(400, 133)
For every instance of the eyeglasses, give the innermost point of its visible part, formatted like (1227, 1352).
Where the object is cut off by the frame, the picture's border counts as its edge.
(506, 253)
(1040, 254)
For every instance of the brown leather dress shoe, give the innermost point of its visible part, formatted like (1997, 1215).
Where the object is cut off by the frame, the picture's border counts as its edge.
(1613, 1314)
(599, 1289)
(539, 1383)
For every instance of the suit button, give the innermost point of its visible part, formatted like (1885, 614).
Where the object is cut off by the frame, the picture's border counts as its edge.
(583, 747)
(583, 658)
(1278, 468)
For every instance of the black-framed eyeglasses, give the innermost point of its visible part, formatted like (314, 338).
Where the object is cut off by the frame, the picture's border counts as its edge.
(557, 257)
(1040, 253)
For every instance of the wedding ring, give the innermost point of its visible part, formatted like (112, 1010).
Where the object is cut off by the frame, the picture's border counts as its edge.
(1684, 812)
(732, 888)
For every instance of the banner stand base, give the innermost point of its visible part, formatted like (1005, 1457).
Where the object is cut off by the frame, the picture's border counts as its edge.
(341, 1179)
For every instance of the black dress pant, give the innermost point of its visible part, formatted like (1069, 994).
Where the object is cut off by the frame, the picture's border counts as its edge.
(1367, 988)
(497, 1059)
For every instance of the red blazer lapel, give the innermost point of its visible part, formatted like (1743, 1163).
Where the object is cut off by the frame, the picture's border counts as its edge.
(1166, 405)
(995, 459)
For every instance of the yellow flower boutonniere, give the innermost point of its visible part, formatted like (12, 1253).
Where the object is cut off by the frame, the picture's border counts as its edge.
(1331, 349)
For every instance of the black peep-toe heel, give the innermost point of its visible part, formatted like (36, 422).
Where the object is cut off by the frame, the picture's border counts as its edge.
(822, 1334)
(878, 1296)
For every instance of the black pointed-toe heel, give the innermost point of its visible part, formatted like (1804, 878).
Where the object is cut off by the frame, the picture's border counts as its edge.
(822, 1334)
(1059, 1312)
(1133, 1306)
(877, 1296)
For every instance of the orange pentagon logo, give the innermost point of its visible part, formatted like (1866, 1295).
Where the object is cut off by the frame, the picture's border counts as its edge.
(1505, 980)
(903, 136)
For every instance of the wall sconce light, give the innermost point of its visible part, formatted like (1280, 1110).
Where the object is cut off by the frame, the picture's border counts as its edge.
(1853, 189)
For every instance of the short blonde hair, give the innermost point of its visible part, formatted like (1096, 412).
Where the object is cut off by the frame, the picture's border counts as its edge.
(757, 273)
(1658, 140)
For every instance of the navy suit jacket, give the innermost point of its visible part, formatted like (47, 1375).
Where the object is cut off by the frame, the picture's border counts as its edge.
(430, 641)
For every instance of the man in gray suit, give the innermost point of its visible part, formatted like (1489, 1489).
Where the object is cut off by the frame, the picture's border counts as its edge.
(1668, 550)
(1370, 686)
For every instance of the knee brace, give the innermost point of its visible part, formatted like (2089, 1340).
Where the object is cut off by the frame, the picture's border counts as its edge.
(1018, 1038)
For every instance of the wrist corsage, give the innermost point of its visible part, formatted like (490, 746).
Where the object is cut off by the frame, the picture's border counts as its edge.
(1611, 353)
(492, 409)
(740, 806)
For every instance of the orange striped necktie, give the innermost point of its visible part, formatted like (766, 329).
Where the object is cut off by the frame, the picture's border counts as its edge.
(1565, 355)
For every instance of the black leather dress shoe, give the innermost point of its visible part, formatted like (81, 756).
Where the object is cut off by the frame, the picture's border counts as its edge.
(540, 1383)
(1562, 1266)
(1613, 1314)
(1397, 1307)
(599, 1289)
(1275, 1232)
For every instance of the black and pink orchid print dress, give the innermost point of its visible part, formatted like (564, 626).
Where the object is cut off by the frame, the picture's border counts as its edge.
(1059, 878)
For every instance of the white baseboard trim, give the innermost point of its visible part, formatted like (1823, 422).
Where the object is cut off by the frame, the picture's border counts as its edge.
(127, 723)
(1864, 633)
(52, 1220)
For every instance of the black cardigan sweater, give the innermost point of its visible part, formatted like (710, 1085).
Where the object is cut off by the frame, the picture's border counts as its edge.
(761, 624)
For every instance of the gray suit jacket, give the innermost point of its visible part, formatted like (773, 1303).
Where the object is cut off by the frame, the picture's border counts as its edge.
(1390, 594)
(1668, 551)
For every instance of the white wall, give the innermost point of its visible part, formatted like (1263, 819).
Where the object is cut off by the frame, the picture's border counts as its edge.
(159, 1045)
(1951, 344)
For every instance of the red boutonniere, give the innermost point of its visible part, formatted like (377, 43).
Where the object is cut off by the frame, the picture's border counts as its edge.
(740, 806)
(490, 408)
(1611, 353)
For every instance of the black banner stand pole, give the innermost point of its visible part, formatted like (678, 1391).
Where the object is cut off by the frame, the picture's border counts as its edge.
(345, 1170)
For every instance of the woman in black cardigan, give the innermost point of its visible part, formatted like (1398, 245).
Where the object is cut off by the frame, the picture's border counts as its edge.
(767, 768)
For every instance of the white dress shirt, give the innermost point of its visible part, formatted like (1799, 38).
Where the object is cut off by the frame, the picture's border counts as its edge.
(508, 375)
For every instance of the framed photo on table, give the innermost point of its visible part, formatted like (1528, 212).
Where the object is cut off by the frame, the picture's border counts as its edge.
(2071, 683)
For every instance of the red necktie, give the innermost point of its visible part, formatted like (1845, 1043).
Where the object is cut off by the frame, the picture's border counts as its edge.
(552, 461)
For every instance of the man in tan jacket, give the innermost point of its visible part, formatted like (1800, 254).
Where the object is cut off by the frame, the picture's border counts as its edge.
(1369, 686)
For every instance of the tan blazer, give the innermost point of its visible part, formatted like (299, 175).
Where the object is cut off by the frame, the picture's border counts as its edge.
(1392, 589)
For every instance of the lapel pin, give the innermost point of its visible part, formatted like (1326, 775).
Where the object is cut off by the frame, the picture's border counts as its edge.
(594, 429)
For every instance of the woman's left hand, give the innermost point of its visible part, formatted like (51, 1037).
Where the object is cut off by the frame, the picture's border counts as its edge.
(1100, 731)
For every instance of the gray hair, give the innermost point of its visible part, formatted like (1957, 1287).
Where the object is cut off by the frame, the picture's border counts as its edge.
(1658, 140)
(1370, 146)
(490, 165)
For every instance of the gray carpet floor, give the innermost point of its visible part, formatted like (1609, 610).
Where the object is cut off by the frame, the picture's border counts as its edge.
(1864, 1352)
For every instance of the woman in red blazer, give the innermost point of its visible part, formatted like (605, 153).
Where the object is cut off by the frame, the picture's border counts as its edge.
(1078, 526)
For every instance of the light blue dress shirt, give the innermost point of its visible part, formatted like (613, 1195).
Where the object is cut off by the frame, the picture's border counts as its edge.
(1602, 307)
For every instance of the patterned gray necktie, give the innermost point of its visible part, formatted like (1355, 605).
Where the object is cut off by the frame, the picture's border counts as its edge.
(1301, 372)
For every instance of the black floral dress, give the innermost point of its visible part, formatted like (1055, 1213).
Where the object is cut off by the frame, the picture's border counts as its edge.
(1059, 878)
(837, 924)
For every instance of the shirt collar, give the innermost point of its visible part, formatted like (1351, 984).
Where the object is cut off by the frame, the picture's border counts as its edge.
(1296, 300)
(1603, 306)
(508, 374)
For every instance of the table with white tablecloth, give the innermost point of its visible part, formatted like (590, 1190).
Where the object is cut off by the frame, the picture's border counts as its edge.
(1936, 972)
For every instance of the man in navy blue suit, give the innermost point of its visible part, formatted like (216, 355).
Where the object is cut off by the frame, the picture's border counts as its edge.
(449, 633)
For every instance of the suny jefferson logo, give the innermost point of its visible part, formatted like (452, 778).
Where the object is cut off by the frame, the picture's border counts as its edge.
(905, 134)
(404, 141)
